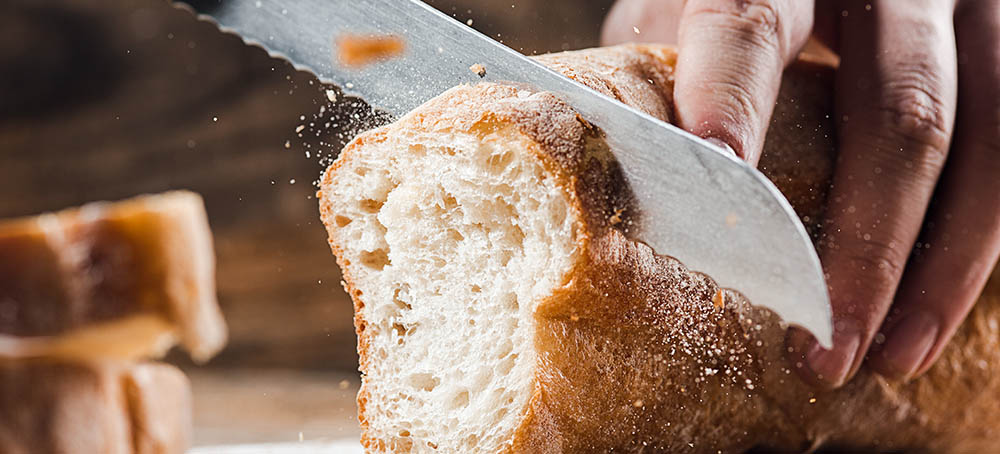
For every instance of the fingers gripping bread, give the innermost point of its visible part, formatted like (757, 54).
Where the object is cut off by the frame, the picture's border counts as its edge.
(501, 305)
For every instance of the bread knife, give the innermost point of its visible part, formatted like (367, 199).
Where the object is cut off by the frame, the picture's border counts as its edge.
(703, 206)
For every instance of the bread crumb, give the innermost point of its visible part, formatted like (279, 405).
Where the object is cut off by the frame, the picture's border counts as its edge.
(288, 144)
(719, 299)
(331, 95)
(617, 217)
(574, 317)
(638, 403)
(344, 384)
(299, 128)
(812, 400)
(478, 69)
(355, 50)
(636, 30)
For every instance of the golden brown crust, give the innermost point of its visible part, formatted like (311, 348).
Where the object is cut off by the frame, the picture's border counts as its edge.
(84, 270)
(569, 147)
(634, 355)
(113, 408)
(638, 356)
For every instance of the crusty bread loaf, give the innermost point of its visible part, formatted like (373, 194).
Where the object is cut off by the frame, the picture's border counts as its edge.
(109, 408)
(119, 280)
(502, 307)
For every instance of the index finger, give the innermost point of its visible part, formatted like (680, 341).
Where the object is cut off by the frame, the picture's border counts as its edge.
(730, 59)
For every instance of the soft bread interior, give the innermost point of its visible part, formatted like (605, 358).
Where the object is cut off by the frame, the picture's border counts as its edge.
(450, 240)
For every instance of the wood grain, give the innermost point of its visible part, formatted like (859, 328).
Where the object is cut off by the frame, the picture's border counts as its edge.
(107, 99)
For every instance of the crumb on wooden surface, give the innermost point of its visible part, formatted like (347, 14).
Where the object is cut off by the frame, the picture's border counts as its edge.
(360, 50)
(478, 69)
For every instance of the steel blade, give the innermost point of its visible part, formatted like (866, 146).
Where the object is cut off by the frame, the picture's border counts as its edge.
(708, 209)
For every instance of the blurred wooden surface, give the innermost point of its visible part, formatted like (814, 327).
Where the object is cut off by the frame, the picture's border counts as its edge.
(104, 99)
(241, 406)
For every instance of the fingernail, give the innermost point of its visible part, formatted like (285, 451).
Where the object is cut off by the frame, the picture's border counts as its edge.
(908, 344)
(721, 145)
(832, 366)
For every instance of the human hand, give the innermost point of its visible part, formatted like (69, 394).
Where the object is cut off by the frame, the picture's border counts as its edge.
(913, 218)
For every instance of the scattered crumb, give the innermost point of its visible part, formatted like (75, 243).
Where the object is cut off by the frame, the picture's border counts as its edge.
(299, 128)
(617, 217)
(344, 384)
(574, 317)
(719, 299)
(812, 400)
(468, 22)
(331, 95)
(354, 50)
(288, 144)
(638, 403)
(478, 69)
(636, 30)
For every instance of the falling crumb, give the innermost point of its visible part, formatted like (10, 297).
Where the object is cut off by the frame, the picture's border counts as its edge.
(574, 317)
(812, 400)
(331, 95)
(719, 299)
(288, 144)
(638, 403)
(292, 181)
(468, 22)
(355, 50)
(299, 128)
(617, 217)
(636, 30)
(478, 69)
(344, 384)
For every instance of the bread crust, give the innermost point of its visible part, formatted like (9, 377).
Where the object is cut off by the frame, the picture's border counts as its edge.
(109, 407)
(110, 275)
(639, 354)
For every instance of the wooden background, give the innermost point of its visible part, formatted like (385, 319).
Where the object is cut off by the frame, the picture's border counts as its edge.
(105, 99)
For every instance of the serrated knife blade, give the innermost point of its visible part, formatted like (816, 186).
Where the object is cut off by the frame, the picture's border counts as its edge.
(713, 212)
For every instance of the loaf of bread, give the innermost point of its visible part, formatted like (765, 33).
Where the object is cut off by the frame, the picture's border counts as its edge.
(107, 408)
(501, 305)
(121, 280)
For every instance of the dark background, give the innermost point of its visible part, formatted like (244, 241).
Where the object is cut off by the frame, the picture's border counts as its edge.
(106, 99)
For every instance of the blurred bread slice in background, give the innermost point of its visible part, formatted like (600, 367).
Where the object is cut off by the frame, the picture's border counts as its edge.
(95, 407)
(110, 279)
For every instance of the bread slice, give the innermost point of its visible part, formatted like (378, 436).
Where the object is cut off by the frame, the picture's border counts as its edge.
(108, 408)
(501, 305)
(120, 279)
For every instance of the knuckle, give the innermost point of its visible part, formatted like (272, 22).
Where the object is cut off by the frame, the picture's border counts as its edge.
(914, 114)
(740, 106)
(757, 22)
(762, 14)
(877, 261)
